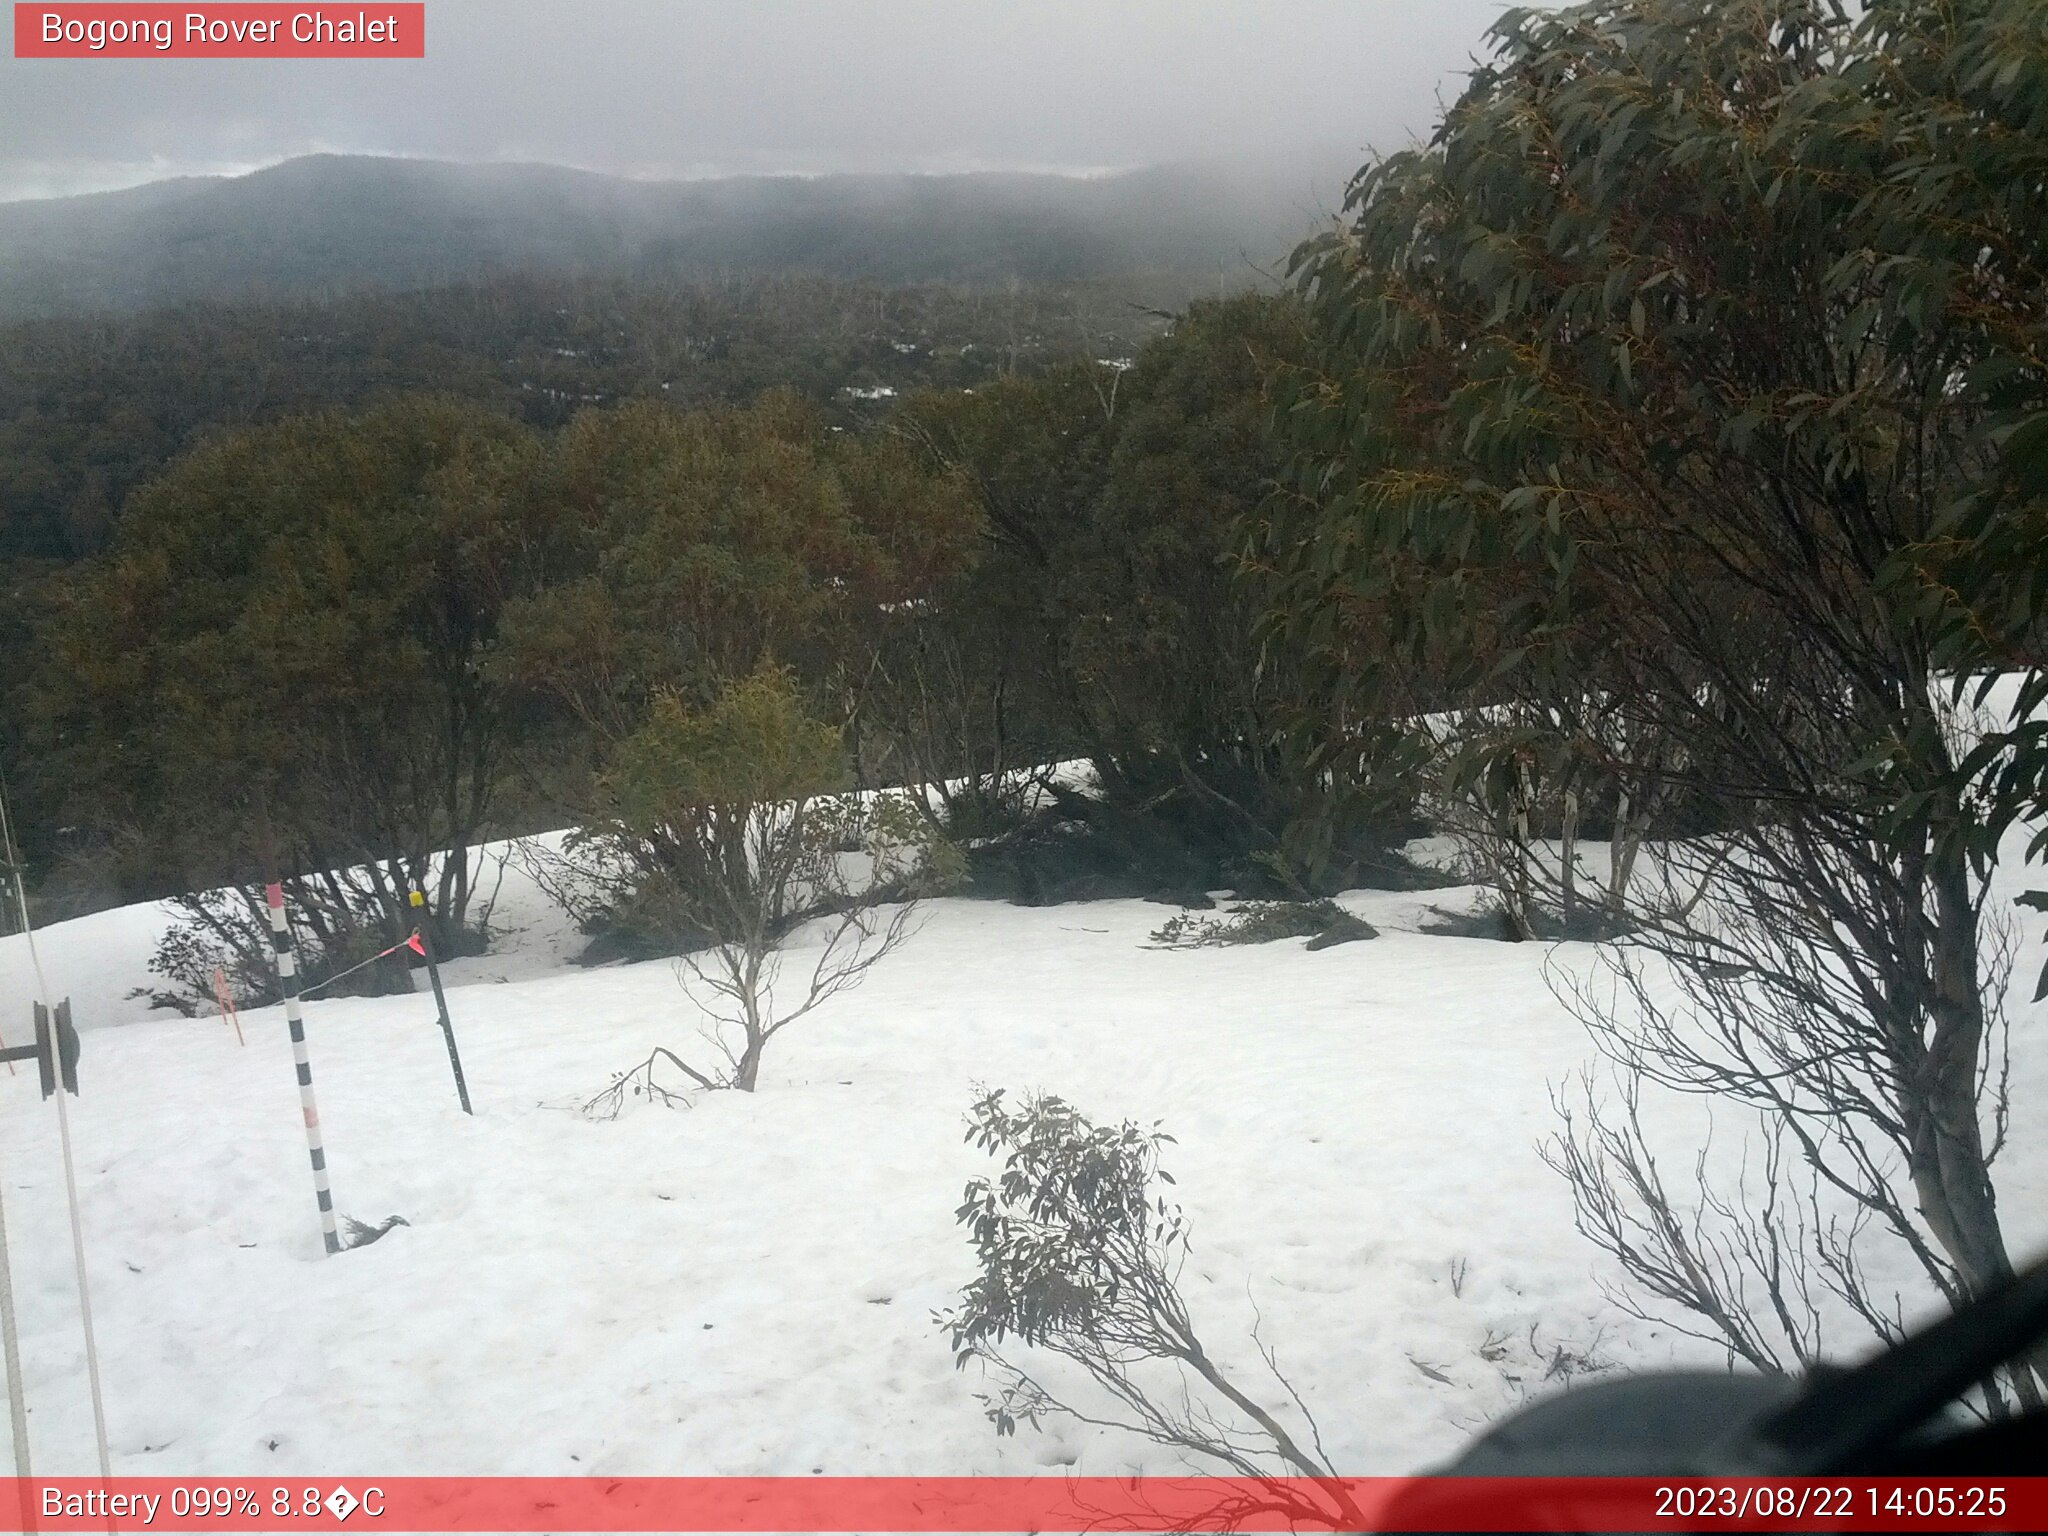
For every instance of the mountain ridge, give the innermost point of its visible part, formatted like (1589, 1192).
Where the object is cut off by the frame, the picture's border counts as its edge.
(321, 224)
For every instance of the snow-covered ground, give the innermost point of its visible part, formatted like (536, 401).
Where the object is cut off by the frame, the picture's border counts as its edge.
(748, 1286)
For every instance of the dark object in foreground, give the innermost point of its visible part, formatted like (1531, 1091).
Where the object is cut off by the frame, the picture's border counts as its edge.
(1893, 1415)
(361, 1234)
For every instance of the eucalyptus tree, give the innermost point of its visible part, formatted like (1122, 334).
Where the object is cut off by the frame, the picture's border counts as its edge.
(279, 669)
(1636, 384)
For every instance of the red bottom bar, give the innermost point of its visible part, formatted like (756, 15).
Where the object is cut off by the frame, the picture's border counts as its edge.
(1032, 1504)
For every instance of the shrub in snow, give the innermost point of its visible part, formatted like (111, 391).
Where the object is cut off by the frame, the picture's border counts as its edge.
(728, 824)
(339, 919)
(1079, 1255)
(1323, 923)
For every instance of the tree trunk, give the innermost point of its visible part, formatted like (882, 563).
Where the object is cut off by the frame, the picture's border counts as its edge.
(1515, 888)
(1568, 838)
(1941, 1104)
(1621, 852)
(747, 1071)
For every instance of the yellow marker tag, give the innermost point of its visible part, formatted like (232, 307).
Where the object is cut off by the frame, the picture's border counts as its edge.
(419, 898)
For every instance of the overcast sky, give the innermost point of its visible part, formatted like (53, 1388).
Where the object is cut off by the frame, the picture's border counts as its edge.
(714, 87)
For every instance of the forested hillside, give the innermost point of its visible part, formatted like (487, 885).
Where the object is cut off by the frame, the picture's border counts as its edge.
(90, 407)
(329, 224)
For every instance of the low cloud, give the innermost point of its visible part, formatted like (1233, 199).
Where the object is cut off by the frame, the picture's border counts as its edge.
(658, 88)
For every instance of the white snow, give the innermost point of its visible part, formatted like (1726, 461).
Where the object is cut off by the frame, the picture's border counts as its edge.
(746, 1287)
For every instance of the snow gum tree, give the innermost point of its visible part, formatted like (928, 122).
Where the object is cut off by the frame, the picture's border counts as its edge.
(728, 830)
(1111, 496)
(1636, 383)
(705, 542)
(286, 646)
(704, 545)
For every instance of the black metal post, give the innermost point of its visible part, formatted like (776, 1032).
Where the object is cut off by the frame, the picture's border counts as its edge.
(54, 1050)
(426, 932)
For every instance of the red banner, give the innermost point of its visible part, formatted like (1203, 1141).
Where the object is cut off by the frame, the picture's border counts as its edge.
(218, 31)
(1038, 1504)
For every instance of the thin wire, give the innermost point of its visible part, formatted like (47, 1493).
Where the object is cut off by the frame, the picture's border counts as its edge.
(10, 1338)
(92, 1354)
(330, 981)
(17, 1404)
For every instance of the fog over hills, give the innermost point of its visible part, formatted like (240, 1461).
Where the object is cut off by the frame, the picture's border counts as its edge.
(327, 223)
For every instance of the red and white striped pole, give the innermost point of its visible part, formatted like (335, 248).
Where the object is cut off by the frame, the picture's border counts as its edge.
(288, 976)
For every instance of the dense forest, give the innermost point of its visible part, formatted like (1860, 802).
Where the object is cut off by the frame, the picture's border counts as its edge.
(1074, 461)
(91, 408)
(1659, 455)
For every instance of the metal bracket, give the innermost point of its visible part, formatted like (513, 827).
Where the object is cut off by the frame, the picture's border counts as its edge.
(55, 1050)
